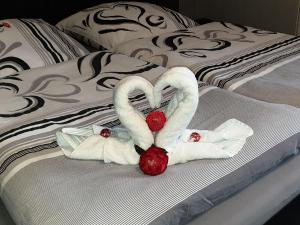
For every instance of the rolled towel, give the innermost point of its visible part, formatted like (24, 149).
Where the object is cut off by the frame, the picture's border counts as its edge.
(182, 106)
(87, 144)
(128, 116)
(223, 142)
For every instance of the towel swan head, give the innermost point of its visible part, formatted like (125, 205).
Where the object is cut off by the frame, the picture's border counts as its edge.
(130, 118)
(182, 106)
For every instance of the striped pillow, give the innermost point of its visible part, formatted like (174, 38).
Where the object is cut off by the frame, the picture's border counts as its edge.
(29, 43)
(110, 24)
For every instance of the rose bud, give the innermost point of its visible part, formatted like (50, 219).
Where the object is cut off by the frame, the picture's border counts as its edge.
(156, 120)
(154, 161)
(105, 132)
(195, 137)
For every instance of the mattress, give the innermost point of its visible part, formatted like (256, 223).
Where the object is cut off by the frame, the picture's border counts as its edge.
(257, 203)
(40, 186)
(261, 202)
(5, 218)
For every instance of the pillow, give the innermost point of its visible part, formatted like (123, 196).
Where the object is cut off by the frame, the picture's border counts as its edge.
(28, 43)
(110, 24)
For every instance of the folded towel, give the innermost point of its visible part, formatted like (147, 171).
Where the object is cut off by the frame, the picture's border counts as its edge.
(87, 144)
(223, 142)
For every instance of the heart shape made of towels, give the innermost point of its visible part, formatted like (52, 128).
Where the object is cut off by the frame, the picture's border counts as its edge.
(180, 110)
(223, 142)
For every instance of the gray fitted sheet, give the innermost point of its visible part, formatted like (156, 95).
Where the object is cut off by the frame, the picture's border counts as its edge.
(5, 219)
(260, 201)
(255, 204)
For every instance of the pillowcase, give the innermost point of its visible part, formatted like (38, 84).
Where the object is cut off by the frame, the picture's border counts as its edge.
(28, 43)
(110, 24)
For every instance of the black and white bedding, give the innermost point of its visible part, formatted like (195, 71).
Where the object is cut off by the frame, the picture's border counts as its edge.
(41, 186)
(237, 58)
(110, 24)
(31, 43)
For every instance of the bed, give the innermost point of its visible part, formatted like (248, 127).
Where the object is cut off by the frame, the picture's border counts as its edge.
(36, 178)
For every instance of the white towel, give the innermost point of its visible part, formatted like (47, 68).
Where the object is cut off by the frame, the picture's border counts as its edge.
(182, 106)
(223, 142)
(128, 116)
(87, 144)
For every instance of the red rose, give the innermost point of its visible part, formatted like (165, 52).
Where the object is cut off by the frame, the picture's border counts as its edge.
(5, 24)
(154, 161)
(156, 120)
(105, 132)
(195, 137)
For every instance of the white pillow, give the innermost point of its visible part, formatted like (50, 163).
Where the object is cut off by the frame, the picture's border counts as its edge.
(110, 24)
(28, 43)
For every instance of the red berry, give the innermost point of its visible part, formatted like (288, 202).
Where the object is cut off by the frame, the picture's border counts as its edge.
(6, 24)
(154, 161)
(195, 137)
(105, 133)
(156, 120)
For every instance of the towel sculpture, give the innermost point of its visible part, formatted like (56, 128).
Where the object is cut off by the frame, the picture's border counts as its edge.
(161, 138)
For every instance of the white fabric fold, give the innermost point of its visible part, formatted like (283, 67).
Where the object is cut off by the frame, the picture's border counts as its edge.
(87, 144)
(223, 142)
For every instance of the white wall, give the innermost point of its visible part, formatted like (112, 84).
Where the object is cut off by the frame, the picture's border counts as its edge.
(276, 15)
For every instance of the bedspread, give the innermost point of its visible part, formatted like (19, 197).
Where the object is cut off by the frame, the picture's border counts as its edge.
(40, 186)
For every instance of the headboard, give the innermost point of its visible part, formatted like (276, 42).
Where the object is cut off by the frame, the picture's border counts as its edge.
(54, 10)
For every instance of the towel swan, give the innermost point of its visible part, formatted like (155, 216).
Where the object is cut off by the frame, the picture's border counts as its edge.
(87, 144)
(225, 141)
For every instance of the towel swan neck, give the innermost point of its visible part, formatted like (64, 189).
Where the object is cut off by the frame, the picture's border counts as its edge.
(130, 118)
(182, 106)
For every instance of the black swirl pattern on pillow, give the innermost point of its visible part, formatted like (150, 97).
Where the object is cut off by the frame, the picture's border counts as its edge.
(13, 65)
(98, 64)
(28, 43)
(196, 45)
(237, 27)
(159, 48)
(10, 64)
(110, 24)
(109, 16)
